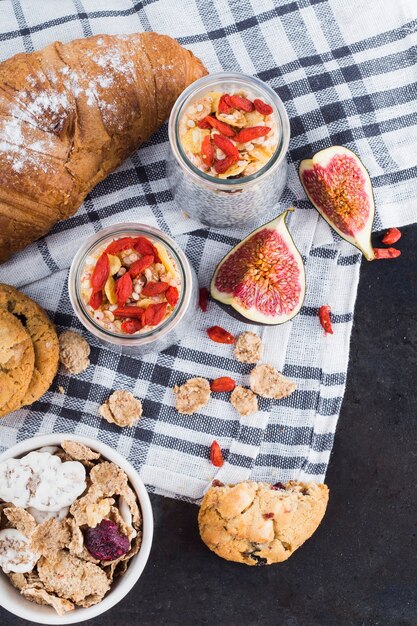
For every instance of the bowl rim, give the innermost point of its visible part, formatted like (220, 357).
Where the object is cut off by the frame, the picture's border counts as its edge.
(39, 614)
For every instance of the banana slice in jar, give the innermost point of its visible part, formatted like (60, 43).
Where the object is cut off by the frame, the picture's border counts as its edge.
(193, 138)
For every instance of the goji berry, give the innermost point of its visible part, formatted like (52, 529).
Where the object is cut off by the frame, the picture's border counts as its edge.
(100, 273)
(172, 295)
(239, 102)
(216, 456)
(118, 245)
(386, 253)
(224, 105)
(247, 134)
(391, 236)
(207, 151)
(129, 311)
(220, 335)
(278, 486)
(223, 165)
(262, 107)
(217, 483)
(131, 326)
(96, 300)
(268, 515)
(123, 288)
(154, 289)
(225, 129)
(226, 146)
(146, 247)
(141, 264)
(324, 317)
(224, 383)
(203, 298)
(154, 314)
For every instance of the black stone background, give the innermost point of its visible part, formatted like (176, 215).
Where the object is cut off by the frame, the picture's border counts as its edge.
(360, 568)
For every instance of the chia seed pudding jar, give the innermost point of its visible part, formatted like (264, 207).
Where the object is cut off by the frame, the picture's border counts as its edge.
(148, 339)
(224, 202)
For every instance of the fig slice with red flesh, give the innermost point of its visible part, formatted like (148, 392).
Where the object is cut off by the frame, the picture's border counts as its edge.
(262, 277)
(338, 185)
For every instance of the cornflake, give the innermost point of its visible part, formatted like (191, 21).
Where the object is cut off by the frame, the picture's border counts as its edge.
(79, 451)
(20, 519)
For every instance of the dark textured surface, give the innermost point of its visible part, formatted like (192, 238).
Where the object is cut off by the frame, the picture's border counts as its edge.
(360, 568)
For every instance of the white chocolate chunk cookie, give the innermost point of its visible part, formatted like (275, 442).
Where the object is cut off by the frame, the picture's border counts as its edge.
(15, 554)
(267, 382)
(192, 395)
(42, 481)
(260, 524)
(248, 348)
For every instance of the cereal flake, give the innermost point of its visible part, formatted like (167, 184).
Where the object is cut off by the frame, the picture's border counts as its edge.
(249, 348)
(192, 395)
(266, 381)
(244, 401)
(121, 408)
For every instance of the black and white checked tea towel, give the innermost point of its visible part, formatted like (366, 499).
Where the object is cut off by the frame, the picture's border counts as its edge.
(346, 72)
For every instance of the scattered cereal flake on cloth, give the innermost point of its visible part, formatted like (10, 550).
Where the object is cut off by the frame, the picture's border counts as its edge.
(15, 553)
(41, 596)
(20, 519)
(73, 352)
(49, 537)
(74, 579)
(244, 400)
(79, 451)
(267, 382)
(249, 348)
(109, 478)
(192, 395)
(121, 408)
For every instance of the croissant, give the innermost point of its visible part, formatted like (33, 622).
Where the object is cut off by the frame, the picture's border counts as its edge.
(70, 114)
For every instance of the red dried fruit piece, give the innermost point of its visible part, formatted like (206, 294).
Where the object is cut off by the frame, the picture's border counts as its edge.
(172, 295)
(386, 253)
(224, 383)
(225, 129)
(278, 486)
(268, 515)
(226, 146)
(253, 132)
(263, 276)
(146, 247)
(154, 288)
(118, 245)
(262, 107)
(154, 314)
(224, 105)
(123, 288)
(217, 483)
(100, 273)
(338, 185)
(207, 151)
(204, 123)
(216, 456)
(391, 236)
(203, 298)
(240, 102)
(104, 541)
(96, 300)
(141, 264)
(223, 165)
(129, 311)
(324, 317)
(131, 326)
(220, 335)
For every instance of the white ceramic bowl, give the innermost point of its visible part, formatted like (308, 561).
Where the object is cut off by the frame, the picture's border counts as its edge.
(10, 597)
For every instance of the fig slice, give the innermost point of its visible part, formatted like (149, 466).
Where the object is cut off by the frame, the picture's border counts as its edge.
(338, 185)
(263, 276)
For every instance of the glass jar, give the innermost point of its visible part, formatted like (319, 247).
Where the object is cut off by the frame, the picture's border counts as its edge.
(225, 202)
(155, 339)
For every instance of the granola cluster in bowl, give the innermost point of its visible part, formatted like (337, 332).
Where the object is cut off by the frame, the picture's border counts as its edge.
(75, 528)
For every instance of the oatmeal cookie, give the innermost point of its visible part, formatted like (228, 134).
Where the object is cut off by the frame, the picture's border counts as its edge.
(122, 408)
(244, 401)
(249, 348)
(17, 360)
(43, 335)
(259, 524)
(192, 395)
(267, 382)
(73, 352)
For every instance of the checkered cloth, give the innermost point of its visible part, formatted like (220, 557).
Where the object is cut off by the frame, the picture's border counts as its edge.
(347, 75)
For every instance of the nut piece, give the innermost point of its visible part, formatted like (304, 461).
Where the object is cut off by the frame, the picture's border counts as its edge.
(249, 348)
(244, 401)
(73, 352)
(267, 382)
(122, 408)
(192, 395)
